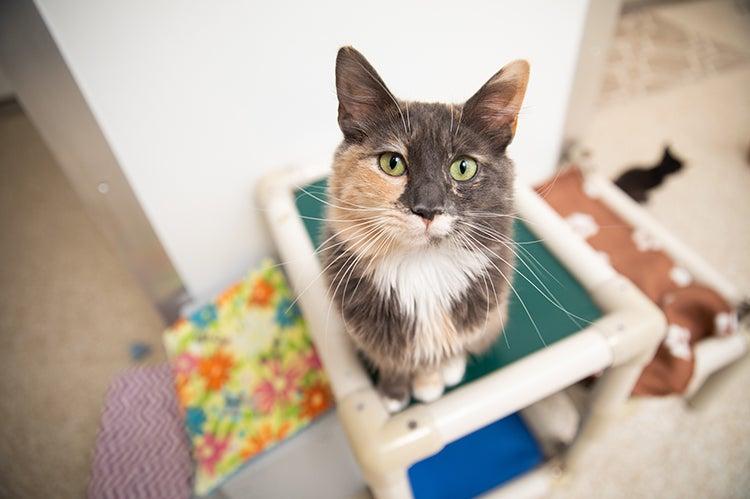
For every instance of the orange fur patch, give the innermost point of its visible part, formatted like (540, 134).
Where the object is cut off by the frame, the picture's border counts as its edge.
(356, 186)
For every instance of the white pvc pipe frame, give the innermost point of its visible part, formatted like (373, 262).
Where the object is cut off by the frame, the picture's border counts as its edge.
(621, 342)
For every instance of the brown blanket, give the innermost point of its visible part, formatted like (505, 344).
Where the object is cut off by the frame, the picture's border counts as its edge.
(693, 310)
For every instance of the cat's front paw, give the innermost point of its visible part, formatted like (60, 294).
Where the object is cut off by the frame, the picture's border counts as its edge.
(393, 389)
(453, 370)
(394, 405)
(427, 386)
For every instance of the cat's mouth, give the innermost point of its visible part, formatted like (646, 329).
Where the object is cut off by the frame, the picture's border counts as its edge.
(429, 231)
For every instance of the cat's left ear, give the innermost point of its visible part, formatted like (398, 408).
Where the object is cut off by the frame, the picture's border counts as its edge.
(494, 108)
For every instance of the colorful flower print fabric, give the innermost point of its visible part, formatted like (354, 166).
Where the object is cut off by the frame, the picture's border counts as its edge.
(247, 374)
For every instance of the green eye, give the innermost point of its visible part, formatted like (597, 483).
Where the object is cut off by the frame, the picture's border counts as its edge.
(392, 164)
(463, 169)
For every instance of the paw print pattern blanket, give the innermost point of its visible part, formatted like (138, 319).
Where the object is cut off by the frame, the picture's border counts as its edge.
(693, 310)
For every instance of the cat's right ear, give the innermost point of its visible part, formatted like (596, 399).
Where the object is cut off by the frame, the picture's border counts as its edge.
(361, 92)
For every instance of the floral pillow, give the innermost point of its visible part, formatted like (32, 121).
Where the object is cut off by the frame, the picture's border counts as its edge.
(247, 374)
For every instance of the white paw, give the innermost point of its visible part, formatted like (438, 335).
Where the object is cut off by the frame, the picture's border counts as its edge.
(453, 370)
(427, 387)
(393, 405)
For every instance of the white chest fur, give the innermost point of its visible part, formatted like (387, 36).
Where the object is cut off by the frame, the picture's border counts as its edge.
(427, 281)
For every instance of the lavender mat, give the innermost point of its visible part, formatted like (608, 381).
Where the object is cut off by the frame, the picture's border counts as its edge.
(142, 450)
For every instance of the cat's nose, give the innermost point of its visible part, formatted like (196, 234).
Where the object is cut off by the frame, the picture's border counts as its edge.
(426, 212)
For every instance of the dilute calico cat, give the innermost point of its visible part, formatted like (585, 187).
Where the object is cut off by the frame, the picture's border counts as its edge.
(420, 226)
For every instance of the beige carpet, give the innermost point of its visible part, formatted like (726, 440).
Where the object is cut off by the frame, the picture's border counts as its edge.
(68, 313)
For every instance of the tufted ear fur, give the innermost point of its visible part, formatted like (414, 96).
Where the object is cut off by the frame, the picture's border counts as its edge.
(362, 94)
(494, 108)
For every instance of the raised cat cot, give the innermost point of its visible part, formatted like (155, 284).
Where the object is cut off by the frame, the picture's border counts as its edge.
(510, 408)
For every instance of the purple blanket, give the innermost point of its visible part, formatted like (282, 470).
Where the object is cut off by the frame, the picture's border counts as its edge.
(142, 450)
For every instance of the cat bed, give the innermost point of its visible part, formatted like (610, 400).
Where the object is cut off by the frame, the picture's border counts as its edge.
(592, 320)
(609, 328)
(694, 310)
(560, 307)
(507, 447)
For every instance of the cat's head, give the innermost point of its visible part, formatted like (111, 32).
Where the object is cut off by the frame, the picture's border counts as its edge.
(669, 162)
(418, 174)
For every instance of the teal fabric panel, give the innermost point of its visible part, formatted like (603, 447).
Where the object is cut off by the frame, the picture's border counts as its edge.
(541, 283)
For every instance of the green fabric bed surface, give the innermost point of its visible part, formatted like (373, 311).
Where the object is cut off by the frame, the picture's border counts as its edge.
(562, 291)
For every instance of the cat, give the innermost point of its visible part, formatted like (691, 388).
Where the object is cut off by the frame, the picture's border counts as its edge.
(419, 224)
(637, 181)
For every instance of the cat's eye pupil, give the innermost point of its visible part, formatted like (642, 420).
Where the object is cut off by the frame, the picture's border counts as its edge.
(463, 169)
(392, 164)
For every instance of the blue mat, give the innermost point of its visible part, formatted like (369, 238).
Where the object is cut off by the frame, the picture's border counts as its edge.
(477, 462)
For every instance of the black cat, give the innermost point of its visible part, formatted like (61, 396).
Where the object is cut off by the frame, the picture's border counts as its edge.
(637, 181)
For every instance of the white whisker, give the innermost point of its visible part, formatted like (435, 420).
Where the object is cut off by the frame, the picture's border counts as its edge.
(513, 289)
(364, 208)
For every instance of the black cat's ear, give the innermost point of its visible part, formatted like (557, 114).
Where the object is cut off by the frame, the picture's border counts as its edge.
(361, 92)
(494, 108)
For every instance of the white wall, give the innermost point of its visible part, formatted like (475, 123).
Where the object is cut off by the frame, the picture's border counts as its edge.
(198, 99)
